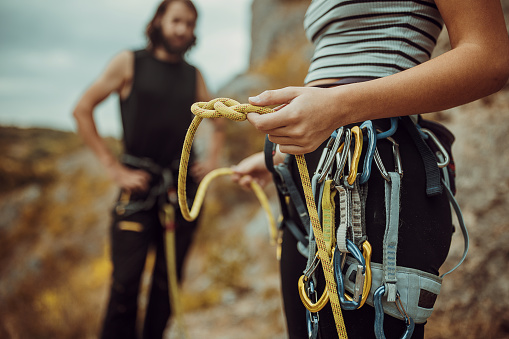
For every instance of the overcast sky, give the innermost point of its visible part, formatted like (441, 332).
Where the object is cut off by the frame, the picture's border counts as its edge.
(52, 50)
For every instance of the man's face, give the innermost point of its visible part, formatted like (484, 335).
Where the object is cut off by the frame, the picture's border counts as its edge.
(177, 28)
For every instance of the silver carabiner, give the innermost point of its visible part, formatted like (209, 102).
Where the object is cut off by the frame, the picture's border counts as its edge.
(342, 156)
(397, 160)
(328, 157)
(445, 162)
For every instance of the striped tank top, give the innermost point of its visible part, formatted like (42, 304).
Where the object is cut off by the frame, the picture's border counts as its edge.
(373, 38)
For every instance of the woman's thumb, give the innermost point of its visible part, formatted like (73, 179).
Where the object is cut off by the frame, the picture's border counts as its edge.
(274, 97)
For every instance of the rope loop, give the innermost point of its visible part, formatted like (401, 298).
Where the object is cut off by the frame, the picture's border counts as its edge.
(227, 108)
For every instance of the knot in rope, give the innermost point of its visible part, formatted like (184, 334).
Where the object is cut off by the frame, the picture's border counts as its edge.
(227, 108)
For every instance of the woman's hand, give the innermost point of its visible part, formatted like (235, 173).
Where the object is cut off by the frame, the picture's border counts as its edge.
(251, 168)
(306, 116)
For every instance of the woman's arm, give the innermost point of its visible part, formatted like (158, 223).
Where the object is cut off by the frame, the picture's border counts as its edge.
(476, 66)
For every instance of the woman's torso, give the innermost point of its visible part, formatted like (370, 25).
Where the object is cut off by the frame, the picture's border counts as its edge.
(371, 38)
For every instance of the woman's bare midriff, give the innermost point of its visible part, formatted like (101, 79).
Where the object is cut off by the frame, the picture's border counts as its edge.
(322, 82)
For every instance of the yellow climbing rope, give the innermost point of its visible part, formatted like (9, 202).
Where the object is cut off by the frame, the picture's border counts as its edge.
(167, 216)
(202, 110)
(233, 110)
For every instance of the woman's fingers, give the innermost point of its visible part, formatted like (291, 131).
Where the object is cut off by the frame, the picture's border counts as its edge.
(275, 97)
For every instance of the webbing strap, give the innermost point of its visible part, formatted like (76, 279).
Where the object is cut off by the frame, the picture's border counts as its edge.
(390, 242)
(286, 177)
(357, 234)
(328, 208)
(286, 188)
(345, 220)
(433, 183)
(463, 227)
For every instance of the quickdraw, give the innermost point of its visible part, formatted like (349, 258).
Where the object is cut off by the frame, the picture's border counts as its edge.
(345, 146)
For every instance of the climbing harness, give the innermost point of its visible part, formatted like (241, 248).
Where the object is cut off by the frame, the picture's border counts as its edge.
(235, 111)
(397, 291)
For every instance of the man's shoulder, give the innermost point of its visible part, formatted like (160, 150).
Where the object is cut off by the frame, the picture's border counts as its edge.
(124, 58)
(122, 64)
(140, 53)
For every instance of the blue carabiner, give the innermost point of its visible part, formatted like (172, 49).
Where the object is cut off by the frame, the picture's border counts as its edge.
(312, 318)
(312, 324)
(390, 131)
(379, 317)
(356, 253)
(370, 151)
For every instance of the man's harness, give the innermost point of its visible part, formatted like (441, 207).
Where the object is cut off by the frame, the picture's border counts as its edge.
(344, 251)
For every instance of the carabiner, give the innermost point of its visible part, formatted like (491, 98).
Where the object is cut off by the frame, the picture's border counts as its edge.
(367, 128)
(446, 160)
(366, 253)
(342, 155)
(390, 131)
(330, 155)
(347, 304)
(352, 175)
(379, 316)
(312, 320)
(397, 161)
(325, 153)
(306, 301)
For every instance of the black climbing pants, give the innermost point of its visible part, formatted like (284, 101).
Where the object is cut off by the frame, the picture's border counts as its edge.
(131, 238)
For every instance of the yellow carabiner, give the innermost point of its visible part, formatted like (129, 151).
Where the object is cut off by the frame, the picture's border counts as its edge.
(312, 307)
(357, 132)
(366, 253)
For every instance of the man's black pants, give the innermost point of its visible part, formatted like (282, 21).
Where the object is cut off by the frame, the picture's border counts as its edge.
(131, 238)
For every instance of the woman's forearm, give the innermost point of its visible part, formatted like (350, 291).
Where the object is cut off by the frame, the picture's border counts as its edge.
(459, 76)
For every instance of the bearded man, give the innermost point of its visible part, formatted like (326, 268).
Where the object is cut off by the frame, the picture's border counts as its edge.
(156, 88)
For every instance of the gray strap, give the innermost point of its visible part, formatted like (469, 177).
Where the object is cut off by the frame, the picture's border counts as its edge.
(461, 222)
(390, 243)
(364, 196)
(357, 234)
(344, 218)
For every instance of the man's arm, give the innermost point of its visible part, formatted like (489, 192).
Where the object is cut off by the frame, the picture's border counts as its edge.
(115, 78)
(199, 170)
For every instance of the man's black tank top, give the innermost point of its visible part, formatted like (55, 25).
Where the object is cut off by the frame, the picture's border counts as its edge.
(156, 114)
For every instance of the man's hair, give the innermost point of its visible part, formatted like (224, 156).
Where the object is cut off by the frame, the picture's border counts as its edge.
(153, 32)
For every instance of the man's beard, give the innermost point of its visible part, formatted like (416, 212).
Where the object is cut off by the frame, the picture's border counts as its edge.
(177, 50)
